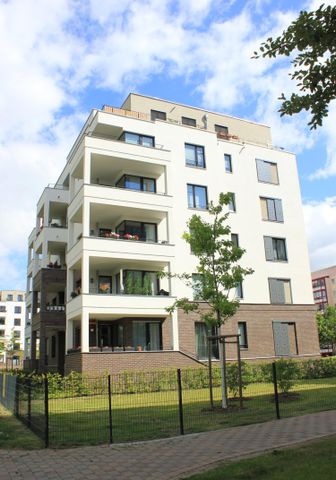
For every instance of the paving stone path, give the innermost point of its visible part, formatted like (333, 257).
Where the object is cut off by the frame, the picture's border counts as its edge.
(167, 459)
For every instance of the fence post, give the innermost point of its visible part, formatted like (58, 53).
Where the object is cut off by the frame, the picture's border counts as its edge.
(276, 395)
(179, 385)
(46, 412)
(28, 384)
(110, 407)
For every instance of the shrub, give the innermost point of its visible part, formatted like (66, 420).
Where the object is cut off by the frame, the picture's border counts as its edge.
(287, 371)
(232, 377)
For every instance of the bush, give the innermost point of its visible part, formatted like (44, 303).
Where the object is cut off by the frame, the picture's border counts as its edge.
(287, 372)
(321, 368)
(232, 377)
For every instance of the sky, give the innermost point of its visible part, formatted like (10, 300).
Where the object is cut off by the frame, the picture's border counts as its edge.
(60, 59)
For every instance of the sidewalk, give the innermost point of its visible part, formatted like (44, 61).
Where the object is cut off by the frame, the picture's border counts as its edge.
(167, 459)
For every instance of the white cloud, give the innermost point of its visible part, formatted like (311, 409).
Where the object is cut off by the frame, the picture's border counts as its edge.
(320, 220)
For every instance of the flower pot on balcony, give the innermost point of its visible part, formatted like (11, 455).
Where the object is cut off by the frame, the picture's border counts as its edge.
(139, 348)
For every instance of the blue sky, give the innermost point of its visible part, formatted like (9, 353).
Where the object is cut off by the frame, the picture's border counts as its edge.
(75, 55)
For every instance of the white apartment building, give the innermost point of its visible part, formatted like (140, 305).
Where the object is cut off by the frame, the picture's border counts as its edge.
(12, 322)
(116, 216)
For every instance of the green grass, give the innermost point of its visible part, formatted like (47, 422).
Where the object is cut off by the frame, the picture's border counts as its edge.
(85, 420)
(317, 460)
(13, 434)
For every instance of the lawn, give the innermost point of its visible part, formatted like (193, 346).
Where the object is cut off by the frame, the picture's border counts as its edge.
(13, 434)
(316, 460)
(85, 420)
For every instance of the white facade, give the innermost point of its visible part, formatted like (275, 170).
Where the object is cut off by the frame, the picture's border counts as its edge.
(91, 200)
(12, 319)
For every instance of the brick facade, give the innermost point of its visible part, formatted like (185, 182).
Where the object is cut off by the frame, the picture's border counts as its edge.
(259, 322)
(99, 363)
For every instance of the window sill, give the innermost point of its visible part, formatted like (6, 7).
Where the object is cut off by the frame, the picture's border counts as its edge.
(199, 209)
(195, 166)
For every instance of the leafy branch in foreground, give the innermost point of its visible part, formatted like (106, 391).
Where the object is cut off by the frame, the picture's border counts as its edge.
(313, 34)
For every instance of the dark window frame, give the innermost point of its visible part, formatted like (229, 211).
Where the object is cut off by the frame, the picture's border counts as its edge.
(276, 211)
(232, 205)
(228, 157)
(221, 129)
(235, 239)
(275, 242)
(142, 179)
(196, 163)
(243, 345)
(142, 228)
(143, 272)
(158, 115)
(191, 122)
(17, 309)
(17, 322)
(194, 197)
(140, 136)
(287, 280)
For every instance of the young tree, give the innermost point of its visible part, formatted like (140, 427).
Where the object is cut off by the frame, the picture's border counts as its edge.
(313, 35)
(218, 270)
(326, 324)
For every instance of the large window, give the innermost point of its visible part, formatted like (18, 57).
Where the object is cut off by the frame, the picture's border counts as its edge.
(228, 163)
(202, 344)
(133, 182)
(280, 290)
(139, 282)
(17, 322)
(156, 114)
(17, 309)
(197, 196)
(9, 297)
(147, 335)
(2, 320)
(275, 249)
(194, 155)
(242, 330)
(189, 121)
(20, 298)
(271, 209)
(2, 308)
(145, 231)
(137, 139)
(267, 171)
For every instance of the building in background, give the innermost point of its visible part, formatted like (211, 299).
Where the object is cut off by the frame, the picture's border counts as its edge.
(12, 326)
(115, 217)
(324, 287)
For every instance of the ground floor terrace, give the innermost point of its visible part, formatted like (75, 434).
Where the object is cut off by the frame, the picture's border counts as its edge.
(146, 342)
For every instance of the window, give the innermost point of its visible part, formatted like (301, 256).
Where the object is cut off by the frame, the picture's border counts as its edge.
(197, 196)
(17, 322)
(228, 163)
(20, 298)
(17, 334)
(156, 114)
(221, 129)
(17, 309)
(275, 249)
(194, 155)
(104, 284)
(132, 182)
(239, 290)
(9, 297)
(242, 330)
(2, 308)
(139, 282)
(235, 239)
(232, 203)
(145, 231)
(137, 139)
(197, 286)
(280, 290)
(189, 121)
(202, 343)
(267, 171)
(2, 320)
(271, 209)
(147, 335)
(2, 333)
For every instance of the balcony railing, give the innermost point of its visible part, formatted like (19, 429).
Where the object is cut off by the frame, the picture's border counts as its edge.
(125, 113)
(109, 234)
(55, 308)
